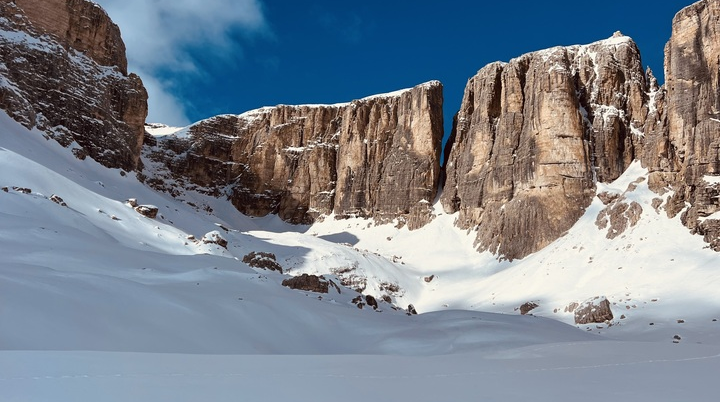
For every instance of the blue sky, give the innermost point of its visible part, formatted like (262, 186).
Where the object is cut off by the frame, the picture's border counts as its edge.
(200, 58)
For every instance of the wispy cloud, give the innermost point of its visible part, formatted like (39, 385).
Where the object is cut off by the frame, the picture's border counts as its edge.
(165, 38)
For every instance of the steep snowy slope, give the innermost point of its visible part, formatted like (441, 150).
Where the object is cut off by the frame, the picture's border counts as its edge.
(97, 275)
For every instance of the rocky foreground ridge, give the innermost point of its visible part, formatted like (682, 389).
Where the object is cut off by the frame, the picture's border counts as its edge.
(530, 142)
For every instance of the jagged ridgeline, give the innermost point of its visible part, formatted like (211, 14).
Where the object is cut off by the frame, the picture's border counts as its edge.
(532, 139)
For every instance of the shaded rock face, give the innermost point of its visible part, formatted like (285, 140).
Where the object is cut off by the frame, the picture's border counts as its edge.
(378, 157)
(692, 70)
(63, 70)
(533, 135)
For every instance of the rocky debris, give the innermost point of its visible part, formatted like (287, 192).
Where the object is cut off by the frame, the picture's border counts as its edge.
(677, 338)
(23, 190)
(370, 300)
(608, 197)
(5, 189)
(56, 199)
(358, 301)
(377, 157)
(214, 237)
(263, 260)
(349, 278)
(149, 211)
(310, 283)
(621, 215)
(534, 134)
(595, 310)
(65, 73)
(132, 202)
(429, 279)
(527, 307)
(411, 310)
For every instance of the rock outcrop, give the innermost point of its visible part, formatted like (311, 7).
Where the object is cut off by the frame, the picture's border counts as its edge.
(63, 70)
(595, 310)
(311, 283)
(534, 135)
(377, 157)
(692, 160)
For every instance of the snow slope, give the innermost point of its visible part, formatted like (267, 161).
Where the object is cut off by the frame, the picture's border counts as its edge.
(98, 302)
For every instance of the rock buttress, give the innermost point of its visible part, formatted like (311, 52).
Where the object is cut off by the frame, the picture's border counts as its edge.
(63, 66)
(533, 135)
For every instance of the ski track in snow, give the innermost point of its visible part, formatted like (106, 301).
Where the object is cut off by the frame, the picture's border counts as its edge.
(360, 376)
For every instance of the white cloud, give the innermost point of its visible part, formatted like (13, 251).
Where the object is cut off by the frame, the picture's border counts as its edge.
(161, 37)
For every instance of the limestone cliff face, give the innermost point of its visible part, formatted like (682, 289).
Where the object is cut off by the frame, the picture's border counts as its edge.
(80, 25)
(692, 70)
(533, 135)
(377, 157)
(63, 70)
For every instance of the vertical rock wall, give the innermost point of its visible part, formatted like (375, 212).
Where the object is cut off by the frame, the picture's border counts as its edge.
(63, 70)
(692, 71)
(533, 135)
(376, 157)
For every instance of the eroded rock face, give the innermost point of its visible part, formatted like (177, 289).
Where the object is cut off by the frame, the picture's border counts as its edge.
(64, 71)
(692, 70)
(80, 25)
(533, 135)
(378, 157)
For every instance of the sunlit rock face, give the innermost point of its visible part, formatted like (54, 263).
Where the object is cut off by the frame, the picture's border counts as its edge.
(692, 71)
(377, 157)
(533, 135)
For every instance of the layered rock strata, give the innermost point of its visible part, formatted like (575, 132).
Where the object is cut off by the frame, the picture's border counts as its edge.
(692, 160)
(533, 136)
(377, 157)
(63, 70)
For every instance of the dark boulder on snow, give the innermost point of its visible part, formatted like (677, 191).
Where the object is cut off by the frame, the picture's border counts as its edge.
(527, 307)
(370, 300)
(262, 260)
(58, 200)
(595, 310)
(215, 237)
(149, 211)
(311, 283)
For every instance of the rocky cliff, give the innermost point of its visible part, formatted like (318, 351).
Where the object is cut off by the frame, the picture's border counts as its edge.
(533, 135)
(691, 164)
(63, 70)
(376, 157)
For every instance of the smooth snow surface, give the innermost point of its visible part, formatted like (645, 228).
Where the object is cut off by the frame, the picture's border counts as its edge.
(98, 302)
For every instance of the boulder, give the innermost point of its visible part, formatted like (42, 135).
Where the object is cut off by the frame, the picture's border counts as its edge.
(262, 260)
(595, 310)
(527, 307)
(310, 283)
(149, 211)
(214, 237)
